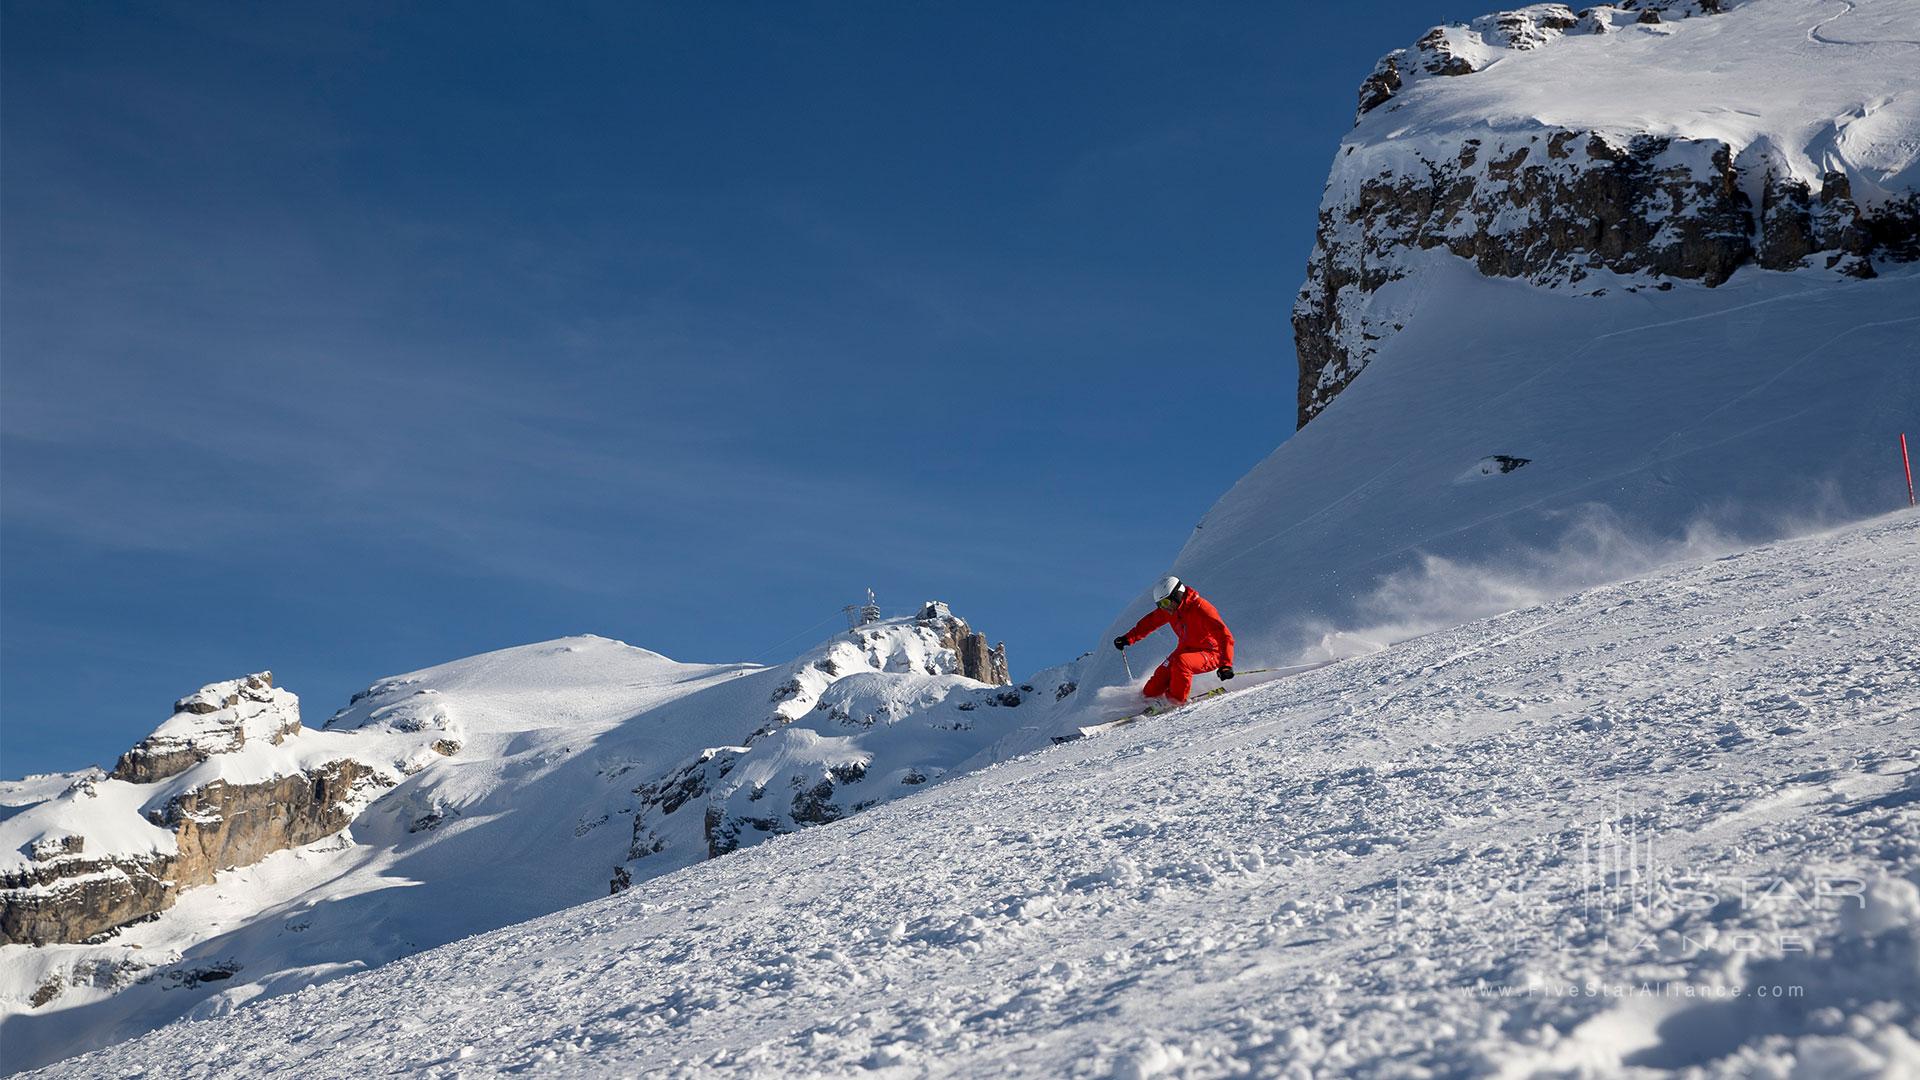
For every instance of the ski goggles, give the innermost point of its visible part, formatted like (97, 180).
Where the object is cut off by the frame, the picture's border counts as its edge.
(1168, 603)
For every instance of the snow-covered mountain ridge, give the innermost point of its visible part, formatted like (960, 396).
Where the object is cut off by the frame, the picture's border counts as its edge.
(236, 854)
(1619, 147)
(1596, 833)
(229, 779)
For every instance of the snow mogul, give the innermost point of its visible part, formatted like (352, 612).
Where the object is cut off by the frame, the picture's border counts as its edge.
(1205, 643)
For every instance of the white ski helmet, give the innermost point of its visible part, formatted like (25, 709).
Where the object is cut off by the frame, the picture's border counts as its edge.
(1167, 588)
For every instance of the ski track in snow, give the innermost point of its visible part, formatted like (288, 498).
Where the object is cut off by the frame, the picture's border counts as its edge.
(1814, 31)
(1377, 867)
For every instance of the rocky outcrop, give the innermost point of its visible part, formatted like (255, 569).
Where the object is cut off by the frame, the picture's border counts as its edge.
(77, 899)
(809, 800)
(65, 891)
(221, 825)
(865, 718)
(1796, 225)
(1555, 206)
(216, 719)
(976, 659)
(1551, 207)
(730, 816)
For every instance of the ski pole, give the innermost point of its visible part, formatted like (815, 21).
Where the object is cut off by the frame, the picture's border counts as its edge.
(1125, 664)
(1906, 463)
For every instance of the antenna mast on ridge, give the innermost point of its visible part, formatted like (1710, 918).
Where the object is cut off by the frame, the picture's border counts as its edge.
(859, 615)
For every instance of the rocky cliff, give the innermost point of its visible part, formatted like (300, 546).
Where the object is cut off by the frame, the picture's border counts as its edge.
(216, 719)
(975, 658)
(185, 803)
(865, 719)
(1610, 148)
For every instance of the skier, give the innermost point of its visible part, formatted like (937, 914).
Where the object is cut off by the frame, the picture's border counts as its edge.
(1205, 642)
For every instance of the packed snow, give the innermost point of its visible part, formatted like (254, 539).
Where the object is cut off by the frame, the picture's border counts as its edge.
(1661, 823)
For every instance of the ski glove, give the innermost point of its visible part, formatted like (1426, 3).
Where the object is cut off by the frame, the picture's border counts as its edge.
(1120, 642)
(1226, 673)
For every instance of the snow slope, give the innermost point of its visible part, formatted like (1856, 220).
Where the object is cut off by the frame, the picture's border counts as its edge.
(1593, 833)
(1656, 424)
(527, 719)
(562, 754)
(1820, 85)
(1654, 421)
(1655, 416)
(1649, 420)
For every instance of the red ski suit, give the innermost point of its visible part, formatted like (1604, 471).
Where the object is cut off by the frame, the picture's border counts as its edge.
(1205, 644)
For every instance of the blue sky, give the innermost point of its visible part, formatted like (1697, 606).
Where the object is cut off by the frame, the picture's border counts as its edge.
(342, 340)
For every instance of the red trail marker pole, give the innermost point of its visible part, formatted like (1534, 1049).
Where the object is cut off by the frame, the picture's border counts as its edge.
(1908, 463)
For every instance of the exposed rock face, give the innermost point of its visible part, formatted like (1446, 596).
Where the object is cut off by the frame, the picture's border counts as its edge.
(1553, 205)
(223, 825)
(77, 899)
(977, 659)
(67, 892)
(1549, 207)
(1796, 225)
(809, 799)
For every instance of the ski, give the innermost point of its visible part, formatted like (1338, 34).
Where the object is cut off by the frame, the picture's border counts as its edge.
(1259, 677)
(1095, 729)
